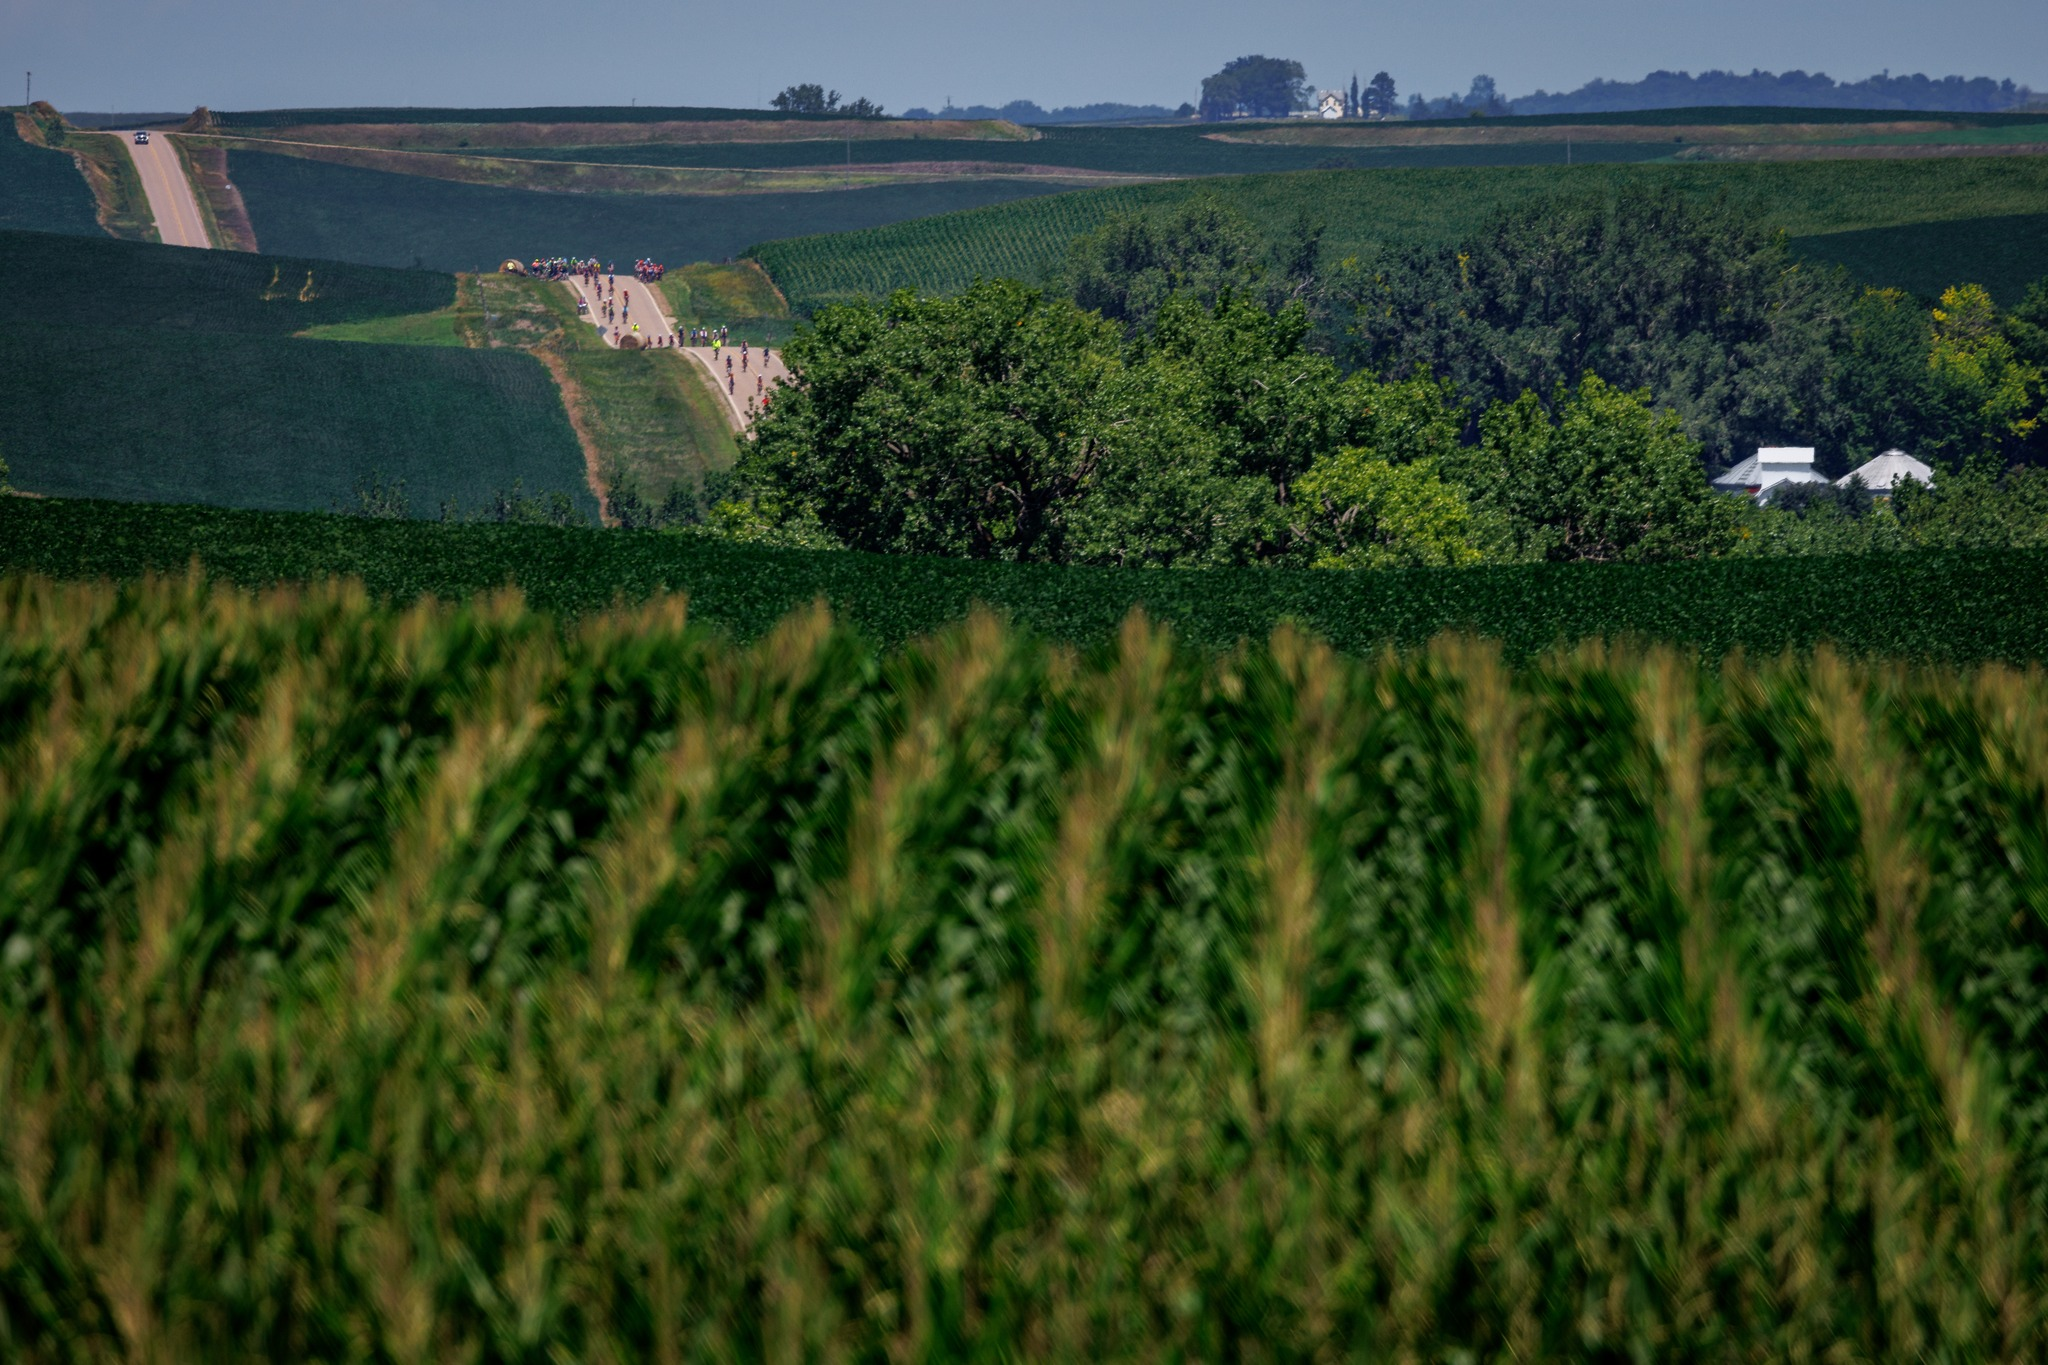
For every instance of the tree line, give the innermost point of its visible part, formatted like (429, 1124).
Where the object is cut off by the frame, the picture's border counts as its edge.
(1271, 87)
(1191, 391)
(1790, 89)
(816, 99)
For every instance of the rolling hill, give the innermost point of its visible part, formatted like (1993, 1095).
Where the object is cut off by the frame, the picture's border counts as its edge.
(347, 213)
(159, 374)
(1897, 201)
(704, 184)
(41, 189)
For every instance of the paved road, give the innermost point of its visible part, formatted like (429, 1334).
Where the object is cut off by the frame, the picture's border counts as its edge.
(755, 379)
(171, 201)
(644, 307)
(636, 305)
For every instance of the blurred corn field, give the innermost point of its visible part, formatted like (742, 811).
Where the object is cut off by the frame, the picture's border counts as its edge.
(450, 984)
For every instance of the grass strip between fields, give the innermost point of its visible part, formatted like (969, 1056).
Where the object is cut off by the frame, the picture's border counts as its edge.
(120, 204)
(649, 417)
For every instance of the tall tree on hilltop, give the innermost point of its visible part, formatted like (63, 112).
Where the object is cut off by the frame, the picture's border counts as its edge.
(806, 99)
(816, 99)
(1255, 87)
(1380, 95)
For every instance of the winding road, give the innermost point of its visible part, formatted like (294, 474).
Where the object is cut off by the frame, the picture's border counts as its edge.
(171, 201)
(180, 223)
(646, 308)
(756, 379)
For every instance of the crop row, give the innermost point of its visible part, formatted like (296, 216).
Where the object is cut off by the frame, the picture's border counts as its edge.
(1363, 210)
(41, 189)
(219, 401)
(54, 280)
(280, 423)
(443, 982)
(347, 213)
(1957, 607)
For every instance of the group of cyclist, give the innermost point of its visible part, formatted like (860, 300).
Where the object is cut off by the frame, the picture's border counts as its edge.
(613, 314)
(562, 267)
(759, 395)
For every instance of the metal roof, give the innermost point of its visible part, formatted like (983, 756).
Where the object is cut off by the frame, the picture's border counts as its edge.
(1883, 473)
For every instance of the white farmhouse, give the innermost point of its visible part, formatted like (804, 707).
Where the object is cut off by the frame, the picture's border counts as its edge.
(1883, 474)
(1771, 465)
(1330, 104)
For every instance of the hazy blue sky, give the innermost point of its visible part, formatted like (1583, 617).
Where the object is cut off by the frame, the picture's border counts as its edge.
(245, 54)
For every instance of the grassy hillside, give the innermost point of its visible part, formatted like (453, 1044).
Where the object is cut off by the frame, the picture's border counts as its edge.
(654, 417)
(193, 389)
(648, 418)
(1366, 209)
(739, 296)
(41, 189)
(346, 213)
(443, 985)
(1937, 606)
(1182, 149)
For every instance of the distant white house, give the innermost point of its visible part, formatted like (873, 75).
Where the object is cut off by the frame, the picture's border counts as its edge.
(1883, 474)
(1330, 104)
(1771, 466)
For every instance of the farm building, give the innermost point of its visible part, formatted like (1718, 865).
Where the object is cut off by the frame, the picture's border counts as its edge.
(1330, 104)
(1882, 474)
(1756, 476)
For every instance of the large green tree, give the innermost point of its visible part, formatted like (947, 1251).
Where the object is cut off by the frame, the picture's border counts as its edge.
(1130, 266)
(1255, 87)
(1883, 388)
(1215, 414)
(952, 426)
(1597, 474)
(1000, 423)
(1359, 510)
(1201, 248)
(1986, 399)
(2026, 327)
(1696, 303)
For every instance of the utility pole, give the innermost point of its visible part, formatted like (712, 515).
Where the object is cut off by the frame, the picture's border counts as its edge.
(28, 87)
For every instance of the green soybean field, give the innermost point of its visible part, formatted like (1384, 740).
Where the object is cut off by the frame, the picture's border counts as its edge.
(1936, 606)
(1367, 210)
(157, 374)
